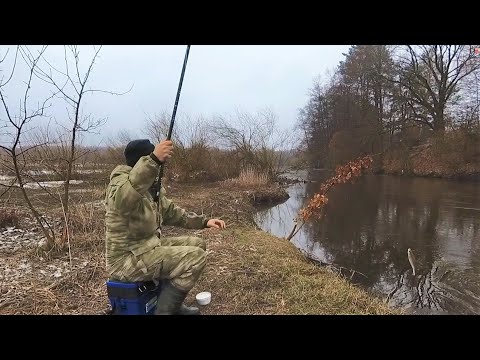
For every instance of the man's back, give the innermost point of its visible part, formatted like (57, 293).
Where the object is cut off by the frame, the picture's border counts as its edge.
(130, 218)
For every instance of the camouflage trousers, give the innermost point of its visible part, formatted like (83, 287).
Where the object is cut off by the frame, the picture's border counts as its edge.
(179, 259)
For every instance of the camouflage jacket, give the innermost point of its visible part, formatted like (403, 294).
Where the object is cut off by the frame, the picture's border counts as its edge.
(131, 213)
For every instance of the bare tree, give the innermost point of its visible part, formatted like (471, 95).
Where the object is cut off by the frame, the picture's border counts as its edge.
(124, 137)
(465, 114)
(15, 122)
(431, 76)
(71, 85)
(256, 138)
(190, 138)
(186, 133)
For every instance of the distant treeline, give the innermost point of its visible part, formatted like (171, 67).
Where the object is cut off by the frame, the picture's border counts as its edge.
(383, 99)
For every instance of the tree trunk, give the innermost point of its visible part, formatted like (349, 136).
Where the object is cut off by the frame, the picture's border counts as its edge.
(36, 215)
(439, 120)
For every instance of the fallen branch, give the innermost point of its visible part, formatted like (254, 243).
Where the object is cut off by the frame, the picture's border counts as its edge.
(343, 174)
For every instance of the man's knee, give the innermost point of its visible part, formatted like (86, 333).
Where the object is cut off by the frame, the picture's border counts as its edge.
(192, 267)
(199, 242)
(199, 257)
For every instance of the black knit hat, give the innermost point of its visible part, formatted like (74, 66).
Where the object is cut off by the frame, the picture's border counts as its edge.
(136, 149)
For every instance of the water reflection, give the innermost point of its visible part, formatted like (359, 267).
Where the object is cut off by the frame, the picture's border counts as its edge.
(370, 225)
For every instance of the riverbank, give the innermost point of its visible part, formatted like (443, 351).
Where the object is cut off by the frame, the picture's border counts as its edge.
(248, 271)
(456, 156)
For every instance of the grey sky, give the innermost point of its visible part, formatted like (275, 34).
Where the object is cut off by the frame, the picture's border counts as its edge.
(218, 79)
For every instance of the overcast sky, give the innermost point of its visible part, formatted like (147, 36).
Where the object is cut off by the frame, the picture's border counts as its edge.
(218, 80)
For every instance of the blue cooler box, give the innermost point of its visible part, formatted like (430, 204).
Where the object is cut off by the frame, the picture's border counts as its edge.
(136, 298)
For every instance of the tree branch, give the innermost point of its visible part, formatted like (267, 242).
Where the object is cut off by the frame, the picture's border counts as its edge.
(13, 68)
(108, 92)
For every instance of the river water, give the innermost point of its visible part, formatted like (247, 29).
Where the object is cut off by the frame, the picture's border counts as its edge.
(369, 225)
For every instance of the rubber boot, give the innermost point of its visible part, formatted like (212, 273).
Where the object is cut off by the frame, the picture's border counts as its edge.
(188, 310)
(170, 302)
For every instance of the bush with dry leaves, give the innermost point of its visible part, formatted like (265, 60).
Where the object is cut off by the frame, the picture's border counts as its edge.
(343, 174)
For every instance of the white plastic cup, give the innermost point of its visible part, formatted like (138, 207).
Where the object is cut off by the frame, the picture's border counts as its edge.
(203, 298)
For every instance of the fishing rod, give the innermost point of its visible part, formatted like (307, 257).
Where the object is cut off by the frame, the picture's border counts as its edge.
(172, 121)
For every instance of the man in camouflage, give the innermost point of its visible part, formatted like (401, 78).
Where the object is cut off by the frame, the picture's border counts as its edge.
(134, 250)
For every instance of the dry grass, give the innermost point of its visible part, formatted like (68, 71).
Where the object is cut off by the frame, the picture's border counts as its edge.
(250, 178)
(85, 218)
(250, 272)
(81, 291)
